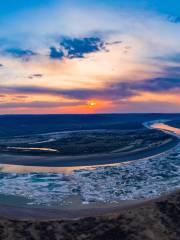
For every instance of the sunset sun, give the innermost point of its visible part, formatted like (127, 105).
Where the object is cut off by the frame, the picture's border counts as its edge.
(92, 103)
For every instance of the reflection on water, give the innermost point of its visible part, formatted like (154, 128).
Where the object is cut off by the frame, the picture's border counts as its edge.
(33, 149)
(68, 170)
(137, 180)
(59, 186)
(166, 127)
(36, 169)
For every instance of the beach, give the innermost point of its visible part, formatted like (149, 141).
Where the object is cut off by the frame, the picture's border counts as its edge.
(21, 211)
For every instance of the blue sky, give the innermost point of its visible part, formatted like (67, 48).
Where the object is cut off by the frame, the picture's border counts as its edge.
(9, 7)
(89, 56)
(170, 7)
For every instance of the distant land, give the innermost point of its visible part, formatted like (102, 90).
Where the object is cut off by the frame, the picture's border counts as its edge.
(80, 140)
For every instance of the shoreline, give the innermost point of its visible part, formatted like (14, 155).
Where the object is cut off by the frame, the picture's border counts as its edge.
(76, 209)
(86, 160)
(91, 159)
(45, 214)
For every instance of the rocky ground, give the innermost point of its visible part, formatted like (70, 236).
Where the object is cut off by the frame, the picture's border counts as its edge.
(158, 220)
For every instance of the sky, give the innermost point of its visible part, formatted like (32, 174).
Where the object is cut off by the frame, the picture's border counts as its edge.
(89, 56)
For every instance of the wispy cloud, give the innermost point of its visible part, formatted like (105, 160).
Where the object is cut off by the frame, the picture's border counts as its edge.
(23, 54)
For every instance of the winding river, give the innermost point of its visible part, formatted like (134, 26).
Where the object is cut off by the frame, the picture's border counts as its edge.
(58, 163)
(166, 128)
(139, 179)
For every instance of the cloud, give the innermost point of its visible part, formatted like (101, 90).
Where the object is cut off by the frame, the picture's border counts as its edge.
(175, 58)
(79, 47)
(154, 106)
(76, 47)
(120, 97)
(56, 53)
(35, 75)
(141, 45)
(173, 19)
(24, 54)
(110, 92)
(37, 104)
(2, 96)
(115, 91)
(113, 43)
(172, 72)
(157, 85)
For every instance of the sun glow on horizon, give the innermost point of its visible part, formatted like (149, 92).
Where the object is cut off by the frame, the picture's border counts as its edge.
(92, 103)
(99, 59)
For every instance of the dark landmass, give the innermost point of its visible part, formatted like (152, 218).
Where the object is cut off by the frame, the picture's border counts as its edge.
(69, 135)
(155, 220)
(86, 160)
(80, 140)
(108, 141)
(85, 142)
(14, 125)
